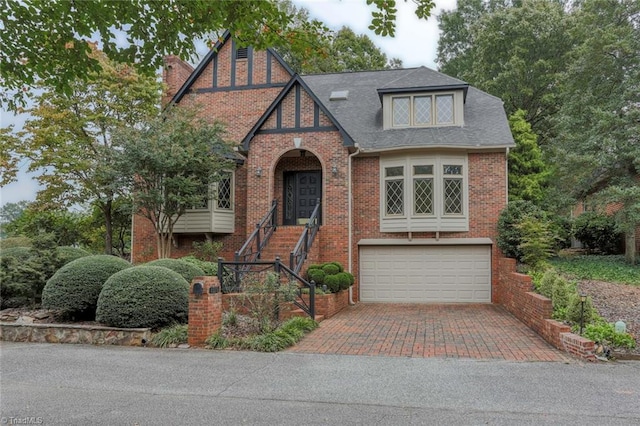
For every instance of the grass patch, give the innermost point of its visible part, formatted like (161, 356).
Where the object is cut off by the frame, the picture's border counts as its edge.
(600, 268)
(174, 335)
(288, 334)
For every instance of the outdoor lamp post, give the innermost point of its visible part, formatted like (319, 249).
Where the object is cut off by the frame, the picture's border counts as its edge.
(583, 298)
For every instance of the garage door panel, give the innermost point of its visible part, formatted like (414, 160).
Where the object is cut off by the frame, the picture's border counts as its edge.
(425, 274)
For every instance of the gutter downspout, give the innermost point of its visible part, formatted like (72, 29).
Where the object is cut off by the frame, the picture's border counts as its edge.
(350, 215)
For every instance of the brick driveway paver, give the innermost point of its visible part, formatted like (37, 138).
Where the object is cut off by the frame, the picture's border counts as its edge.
(480, 331)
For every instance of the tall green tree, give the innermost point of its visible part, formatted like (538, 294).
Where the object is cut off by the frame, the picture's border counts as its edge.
(45, 41)
(528, 173)
(597, 149)
(334, 51)
(67, 139)
(168, 164)
(515, 52)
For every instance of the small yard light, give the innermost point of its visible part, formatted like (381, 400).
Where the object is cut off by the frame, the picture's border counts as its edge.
(583, 298)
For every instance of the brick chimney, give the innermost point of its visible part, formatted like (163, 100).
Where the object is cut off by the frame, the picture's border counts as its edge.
(174, 74)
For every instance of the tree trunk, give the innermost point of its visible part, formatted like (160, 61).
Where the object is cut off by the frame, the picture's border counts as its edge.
(108, 225)
(630, 246)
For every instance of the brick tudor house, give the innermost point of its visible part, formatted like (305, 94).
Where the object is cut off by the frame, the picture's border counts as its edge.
(409, 167)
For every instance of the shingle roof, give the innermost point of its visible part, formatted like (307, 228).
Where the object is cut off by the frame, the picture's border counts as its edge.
(485, 122)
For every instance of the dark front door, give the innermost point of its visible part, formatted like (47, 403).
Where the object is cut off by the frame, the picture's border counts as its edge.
(302, 190)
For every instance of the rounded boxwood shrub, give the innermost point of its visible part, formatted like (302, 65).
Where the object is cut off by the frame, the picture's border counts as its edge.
(344, 278)
(316, 275)
(67, 254)
(209, 268)
(74, 288)
(144, 296)
(19, 253)
(339, 265)
(188, 270)
(11, 242)
(330, 268)
(332, 282)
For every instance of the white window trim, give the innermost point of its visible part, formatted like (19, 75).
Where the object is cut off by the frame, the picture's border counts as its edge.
(438, 220)
(458, 110)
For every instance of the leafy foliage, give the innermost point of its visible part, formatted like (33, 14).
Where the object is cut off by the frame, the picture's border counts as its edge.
(207, 250)
(603, 332)
(528, 173)
(209, 268)
(46, 41)
(174, 335)
(187, 270)
(68, 140)
(144, 296)
(597, 232)
(25, 271)
(509, 232)
(536, 243)
(330, 274)
(288, 334)
(602, 268)
(167, 162)
(74, 288)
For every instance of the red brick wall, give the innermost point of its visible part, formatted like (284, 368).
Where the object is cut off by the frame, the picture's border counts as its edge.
(516, 295)
(487, 197)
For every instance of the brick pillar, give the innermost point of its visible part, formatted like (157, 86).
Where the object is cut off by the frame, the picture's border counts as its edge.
(205, 309)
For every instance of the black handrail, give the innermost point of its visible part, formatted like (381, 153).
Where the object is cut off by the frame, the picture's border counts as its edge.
(230, 275)
(252, 248)
(301, 250)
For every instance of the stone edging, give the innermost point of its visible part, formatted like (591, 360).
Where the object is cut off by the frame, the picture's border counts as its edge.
(70, 333)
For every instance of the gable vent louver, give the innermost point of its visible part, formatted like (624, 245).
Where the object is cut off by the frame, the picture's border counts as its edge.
(339, 95)
(242, 53)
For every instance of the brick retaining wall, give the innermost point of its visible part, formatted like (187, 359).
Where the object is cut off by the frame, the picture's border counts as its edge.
(516, 295)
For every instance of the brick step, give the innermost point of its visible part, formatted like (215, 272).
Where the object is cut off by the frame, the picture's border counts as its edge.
(299, 313)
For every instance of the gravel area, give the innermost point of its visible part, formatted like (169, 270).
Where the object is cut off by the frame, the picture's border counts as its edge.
(616, 302)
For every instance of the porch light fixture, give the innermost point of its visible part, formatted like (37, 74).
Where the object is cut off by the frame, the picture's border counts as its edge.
(297, 142)
(334, 168)
(259, 171)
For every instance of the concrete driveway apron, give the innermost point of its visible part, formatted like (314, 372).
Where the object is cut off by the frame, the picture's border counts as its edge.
(480, 331)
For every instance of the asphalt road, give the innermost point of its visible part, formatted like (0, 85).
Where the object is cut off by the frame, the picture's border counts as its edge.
(90, 385)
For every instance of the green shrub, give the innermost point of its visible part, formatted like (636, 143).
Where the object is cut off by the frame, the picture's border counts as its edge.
(19, 253)
(67, 254)
(562, 293)
(174, 335)
(187, 270)
(597, 232)
(206, 250)
(210, 268)
(344, 280)
(314, 266)
(330, 268)
(305, 324)
(536, 243)
(74, 288)
(575, 312)
(601, 268)
(509, 233)
(217, 341)
(605, 333)
(316, 275)
(144, 296)
(339, 265)
(12, 242)
(332, 282)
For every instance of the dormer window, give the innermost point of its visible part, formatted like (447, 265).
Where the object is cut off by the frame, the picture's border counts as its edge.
(407, 109)
(422, 110)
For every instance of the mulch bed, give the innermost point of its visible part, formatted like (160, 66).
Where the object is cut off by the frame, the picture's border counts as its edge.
(616, 302)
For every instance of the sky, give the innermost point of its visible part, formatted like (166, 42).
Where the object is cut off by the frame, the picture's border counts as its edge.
(415, 43)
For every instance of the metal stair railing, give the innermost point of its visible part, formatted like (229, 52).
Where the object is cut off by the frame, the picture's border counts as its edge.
(301, 250)
(252, 248)
(230, 279)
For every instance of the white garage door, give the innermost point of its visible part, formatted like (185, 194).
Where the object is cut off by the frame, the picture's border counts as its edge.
(425, 274)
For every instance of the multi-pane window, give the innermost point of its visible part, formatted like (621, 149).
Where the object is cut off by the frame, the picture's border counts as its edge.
(422, 110)
(224, 193)
(452, 189)
(394, 190)
(423, 189)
